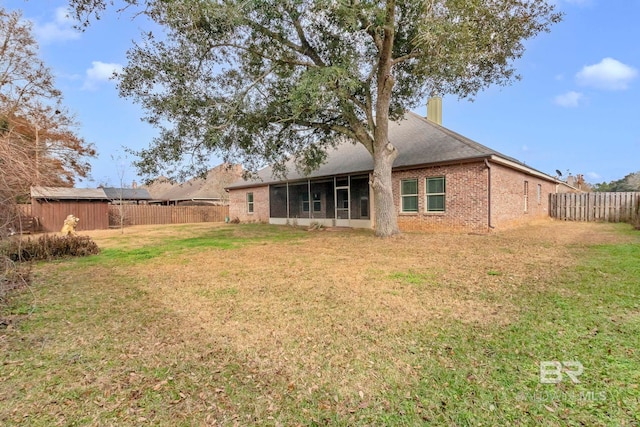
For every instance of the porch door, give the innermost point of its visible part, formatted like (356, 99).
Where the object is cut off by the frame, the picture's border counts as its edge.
(342, 207)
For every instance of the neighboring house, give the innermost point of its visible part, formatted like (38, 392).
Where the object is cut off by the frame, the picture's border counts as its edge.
(441, 181)
(127, 195)
(197, 191)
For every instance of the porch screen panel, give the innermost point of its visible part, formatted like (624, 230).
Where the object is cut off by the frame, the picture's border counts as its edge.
(360, 197)
(322, 204)
(278, 201)
(299, 202)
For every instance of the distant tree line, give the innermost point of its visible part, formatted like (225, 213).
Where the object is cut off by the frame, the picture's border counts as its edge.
(630, 182)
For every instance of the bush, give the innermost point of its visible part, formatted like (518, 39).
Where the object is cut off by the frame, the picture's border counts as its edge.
(51, 247)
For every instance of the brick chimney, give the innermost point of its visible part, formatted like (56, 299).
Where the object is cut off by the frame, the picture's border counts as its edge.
(434, 110)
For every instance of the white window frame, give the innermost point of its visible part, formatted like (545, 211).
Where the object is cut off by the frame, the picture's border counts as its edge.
(443, 194)
(403, 196)
(539, 194)
(250, 202)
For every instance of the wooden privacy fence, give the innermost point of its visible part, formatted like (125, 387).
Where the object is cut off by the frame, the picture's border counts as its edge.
(150, 214)
(607, 207)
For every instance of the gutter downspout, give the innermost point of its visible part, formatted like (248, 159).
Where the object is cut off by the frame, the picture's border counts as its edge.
(486, 163)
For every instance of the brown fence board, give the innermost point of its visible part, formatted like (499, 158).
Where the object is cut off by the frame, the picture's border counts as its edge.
(607, 207)
(51, 214)
(155, 215)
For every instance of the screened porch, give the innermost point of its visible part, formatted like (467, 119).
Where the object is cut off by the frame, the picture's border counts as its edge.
(335, 201)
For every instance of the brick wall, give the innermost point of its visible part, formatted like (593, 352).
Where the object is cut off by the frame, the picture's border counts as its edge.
(238, 204)
(465, 199)
(508, 197)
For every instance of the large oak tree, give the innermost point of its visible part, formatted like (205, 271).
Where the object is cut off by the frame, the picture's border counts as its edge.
(267, 80)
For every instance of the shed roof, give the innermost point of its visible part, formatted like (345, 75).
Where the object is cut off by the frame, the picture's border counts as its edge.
(65, 193)
(419, 141)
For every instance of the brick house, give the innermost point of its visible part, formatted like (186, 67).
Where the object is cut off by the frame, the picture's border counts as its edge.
(441, 181)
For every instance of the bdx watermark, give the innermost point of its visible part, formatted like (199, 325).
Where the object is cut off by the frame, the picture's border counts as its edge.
(551, 371)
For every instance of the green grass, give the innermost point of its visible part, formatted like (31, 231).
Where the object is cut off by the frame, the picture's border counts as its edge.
(411, 277)
(223, 238)
(97, 344)
(591, 315)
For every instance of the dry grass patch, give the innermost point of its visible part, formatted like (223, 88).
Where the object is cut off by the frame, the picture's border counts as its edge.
(329, 307)
(336, 325)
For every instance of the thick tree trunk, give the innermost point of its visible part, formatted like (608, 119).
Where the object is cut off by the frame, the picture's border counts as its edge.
(386, 219)
(384, 153)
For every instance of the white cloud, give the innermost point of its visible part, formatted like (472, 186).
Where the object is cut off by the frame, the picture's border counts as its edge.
(100, 72)
(593, 176)
(60, 29)
(608, 74)
(569, 100)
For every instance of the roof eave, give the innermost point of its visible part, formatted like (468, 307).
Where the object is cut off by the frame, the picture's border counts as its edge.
(522, 168)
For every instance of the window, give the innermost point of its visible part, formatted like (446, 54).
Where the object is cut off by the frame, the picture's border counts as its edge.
(317, 202)
(305, 202)
(409, 195)
(539, 194)
(526, 196)
(250, 202)
(435, 194)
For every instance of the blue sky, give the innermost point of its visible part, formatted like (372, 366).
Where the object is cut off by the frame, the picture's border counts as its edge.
(575, 109)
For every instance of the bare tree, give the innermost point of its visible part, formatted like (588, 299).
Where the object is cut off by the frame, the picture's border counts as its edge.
(38, 142)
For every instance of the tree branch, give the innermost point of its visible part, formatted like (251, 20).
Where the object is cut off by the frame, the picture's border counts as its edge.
(284, 41)
(309, 51)
(406, 57)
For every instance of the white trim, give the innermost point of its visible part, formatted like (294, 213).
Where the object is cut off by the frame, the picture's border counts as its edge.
(427, 194)
(327, 222)
(416, 195)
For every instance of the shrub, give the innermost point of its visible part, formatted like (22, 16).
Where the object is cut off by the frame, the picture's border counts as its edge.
(51, 247)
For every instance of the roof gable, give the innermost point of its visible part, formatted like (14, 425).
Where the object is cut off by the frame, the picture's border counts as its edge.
(211, 187)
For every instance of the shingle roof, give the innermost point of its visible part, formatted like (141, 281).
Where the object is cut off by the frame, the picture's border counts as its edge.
(127, 193)
(107, 193)
(209, 188)
(159, 186)
(419, 142)
(65, 193)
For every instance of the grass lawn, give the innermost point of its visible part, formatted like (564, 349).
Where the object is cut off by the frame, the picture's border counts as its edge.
(262, 325)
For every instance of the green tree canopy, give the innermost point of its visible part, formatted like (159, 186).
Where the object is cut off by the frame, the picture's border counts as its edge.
(264, 81)
(631, 182)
